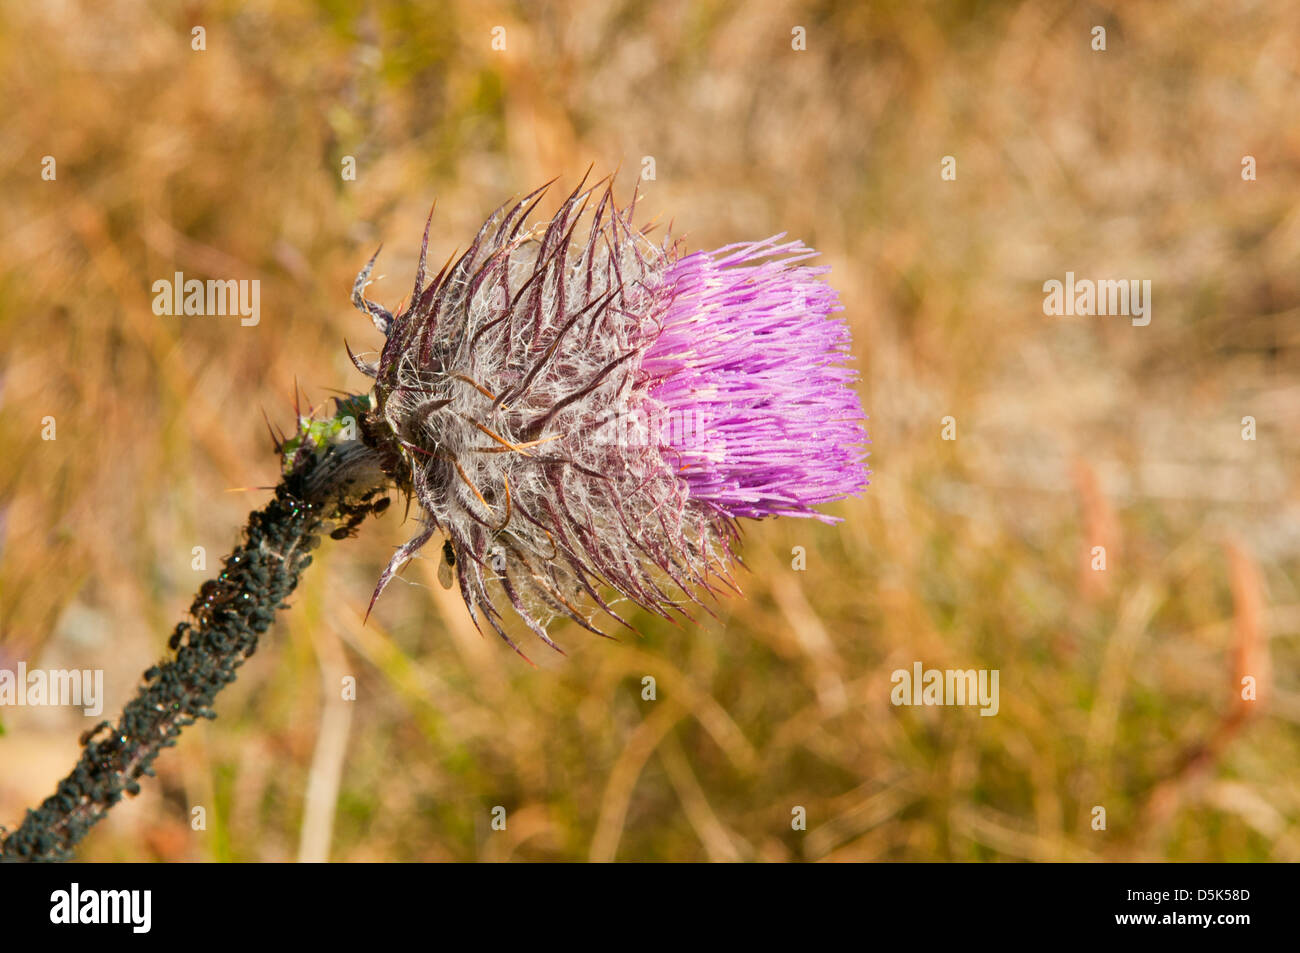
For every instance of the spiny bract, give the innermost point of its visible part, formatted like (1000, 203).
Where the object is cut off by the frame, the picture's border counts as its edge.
(579, 409)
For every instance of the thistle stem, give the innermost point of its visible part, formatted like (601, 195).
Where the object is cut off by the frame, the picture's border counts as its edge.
(230, 613)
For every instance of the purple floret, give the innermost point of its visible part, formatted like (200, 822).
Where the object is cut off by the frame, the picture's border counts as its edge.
(585, 416)
(750, 367)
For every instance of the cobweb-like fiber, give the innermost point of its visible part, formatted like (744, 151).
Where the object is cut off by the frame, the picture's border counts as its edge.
(533, 396)
(499, 382)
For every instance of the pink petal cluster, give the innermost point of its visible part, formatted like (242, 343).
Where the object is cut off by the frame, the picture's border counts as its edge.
(584, 414)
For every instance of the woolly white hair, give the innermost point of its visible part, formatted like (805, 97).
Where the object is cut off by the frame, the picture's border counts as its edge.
(509, 394)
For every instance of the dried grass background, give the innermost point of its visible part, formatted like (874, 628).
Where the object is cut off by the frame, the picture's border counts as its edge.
(1118, 689)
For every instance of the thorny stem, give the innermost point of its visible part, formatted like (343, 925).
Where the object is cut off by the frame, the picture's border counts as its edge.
(230, 613)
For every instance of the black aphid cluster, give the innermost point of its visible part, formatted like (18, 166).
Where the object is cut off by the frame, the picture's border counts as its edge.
(230, 613)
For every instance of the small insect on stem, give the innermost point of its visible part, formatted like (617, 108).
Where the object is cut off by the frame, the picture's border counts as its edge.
(356, 514)
(213, 594)
(178, 634)
(90, 733)
(446, 564)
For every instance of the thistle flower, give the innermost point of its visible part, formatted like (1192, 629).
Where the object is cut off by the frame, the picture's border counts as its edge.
(578, 409)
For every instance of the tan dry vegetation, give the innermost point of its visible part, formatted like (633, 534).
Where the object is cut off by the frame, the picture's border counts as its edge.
(1117, 689)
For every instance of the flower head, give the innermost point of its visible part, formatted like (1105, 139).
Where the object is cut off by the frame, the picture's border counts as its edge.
(579, 409)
